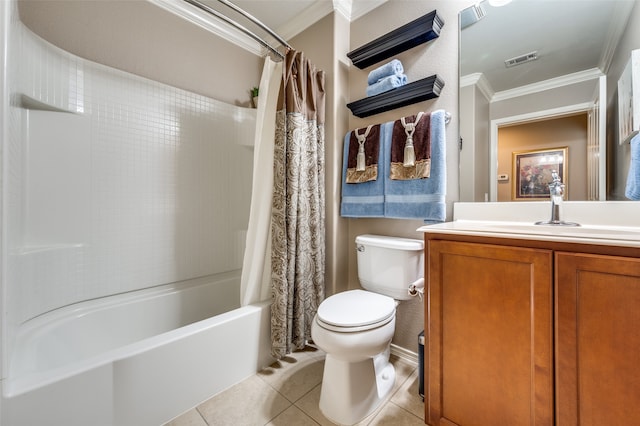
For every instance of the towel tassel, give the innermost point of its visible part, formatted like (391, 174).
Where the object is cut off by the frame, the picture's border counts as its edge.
(409, 152)
(360, 161)
(361, 165)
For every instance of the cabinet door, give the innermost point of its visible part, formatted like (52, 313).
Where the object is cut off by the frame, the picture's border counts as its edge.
(597, 340)
(489, 342)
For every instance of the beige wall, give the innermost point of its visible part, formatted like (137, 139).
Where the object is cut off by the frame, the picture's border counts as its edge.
(143, 39)
(568, 132)
(474, 155)
(439, 56)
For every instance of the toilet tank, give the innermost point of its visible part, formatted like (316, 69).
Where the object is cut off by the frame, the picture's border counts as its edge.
(388, 265)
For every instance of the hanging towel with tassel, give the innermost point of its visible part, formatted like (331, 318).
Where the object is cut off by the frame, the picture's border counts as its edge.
(364, 150)
(411, 148)
(419, 198)
(363, 190)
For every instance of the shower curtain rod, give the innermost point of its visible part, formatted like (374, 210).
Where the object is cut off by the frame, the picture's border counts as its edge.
(240, 27)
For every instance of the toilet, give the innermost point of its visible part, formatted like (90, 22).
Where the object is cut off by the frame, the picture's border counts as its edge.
(354, 328)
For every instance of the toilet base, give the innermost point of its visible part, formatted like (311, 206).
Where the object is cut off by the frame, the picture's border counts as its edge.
(356, 388)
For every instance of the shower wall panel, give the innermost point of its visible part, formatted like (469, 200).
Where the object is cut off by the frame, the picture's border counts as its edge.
(116, 182)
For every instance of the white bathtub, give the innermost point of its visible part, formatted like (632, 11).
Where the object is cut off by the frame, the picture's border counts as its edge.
(136, 359)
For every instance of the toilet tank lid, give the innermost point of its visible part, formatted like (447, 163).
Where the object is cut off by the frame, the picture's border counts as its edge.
(396, 243)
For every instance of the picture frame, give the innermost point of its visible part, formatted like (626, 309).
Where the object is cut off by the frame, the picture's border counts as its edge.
(532, 172)
(629, 99)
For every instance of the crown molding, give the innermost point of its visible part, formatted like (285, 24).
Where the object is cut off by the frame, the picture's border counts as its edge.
(480, 81)
(552, 83)
(304, 20)
(344, 8)
(361, 8)
(350, 9)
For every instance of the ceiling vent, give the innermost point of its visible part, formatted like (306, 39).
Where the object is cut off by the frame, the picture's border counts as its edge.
(471, 15)
(521, 59)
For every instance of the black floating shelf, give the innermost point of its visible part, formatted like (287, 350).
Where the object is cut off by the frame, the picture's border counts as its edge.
(418, 91)
(416, 32)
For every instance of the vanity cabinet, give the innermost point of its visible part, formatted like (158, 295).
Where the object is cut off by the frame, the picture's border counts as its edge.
(530, 333)
(489, 335)
(597, 339)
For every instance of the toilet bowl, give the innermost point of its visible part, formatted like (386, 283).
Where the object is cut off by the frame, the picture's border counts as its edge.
(355, 328)
(357, 372)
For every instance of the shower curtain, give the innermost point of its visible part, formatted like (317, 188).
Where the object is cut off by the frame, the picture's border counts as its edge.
(255, 283)
(298, 216)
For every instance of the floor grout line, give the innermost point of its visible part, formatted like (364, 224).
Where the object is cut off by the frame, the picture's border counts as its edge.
(300, 407)
(201, 416)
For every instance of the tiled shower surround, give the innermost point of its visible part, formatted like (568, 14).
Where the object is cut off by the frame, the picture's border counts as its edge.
(115, 182)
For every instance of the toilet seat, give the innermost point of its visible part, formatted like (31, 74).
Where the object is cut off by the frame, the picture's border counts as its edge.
(355, 310)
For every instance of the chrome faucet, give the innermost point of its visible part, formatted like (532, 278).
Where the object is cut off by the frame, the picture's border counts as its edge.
(556, 192)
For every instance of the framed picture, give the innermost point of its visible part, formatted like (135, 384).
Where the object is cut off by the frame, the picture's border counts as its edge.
(629, 99)
(532, 173)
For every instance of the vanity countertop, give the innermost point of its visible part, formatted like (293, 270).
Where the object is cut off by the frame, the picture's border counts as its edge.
(601, 223)
(624, 236)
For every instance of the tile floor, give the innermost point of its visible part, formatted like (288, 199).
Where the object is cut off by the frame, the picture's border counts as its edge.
(288, 391)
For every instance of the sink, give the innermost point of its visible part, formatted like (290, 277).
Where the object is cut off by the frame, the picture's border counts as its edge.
(595, 232)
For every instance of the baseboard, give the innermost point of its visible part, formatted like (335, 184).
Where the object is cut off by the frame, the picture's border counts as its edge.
(404, 354)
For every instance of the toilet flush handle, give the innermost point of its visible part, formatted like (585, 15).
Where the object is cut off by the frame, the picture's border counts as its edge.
(359, 247)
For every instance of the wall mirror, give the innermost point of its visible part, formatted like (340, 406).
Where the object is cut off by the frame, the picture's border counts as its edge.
(533, 78)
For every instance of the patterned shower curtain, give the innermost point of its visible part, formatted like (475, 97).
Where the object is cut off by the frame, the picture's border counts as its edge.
(298, 216)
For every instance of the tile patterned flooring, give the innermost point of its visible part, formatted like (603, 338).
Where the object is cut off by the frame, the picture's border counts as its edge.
(287, 393)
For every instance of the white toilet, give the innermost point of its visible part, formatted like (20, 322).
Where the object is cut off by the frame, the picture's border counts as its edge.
(355, 327)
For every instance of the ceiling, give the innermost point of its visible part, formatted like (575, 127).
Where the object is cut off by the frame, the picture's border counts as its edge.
(569, 37)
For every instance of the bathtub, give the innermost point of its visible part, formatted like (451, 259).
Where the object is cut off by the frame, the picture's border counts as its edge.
(140, 358)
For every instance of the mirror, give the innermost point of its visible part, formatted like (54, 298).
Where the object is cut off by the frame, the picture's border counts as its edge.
(532, 80)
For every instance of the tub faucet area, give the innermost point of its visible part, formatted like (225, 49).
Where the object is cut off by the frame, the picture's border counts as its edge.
(556, 193)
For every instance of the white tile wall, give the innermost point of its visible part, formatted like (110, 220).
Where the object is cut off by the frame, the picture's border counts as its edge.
(116, 182)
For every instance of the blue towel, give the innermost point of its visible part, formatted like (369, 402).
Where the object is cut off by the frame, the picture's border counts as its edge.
(419, 198)
(632, 191)
(364, 199)
(393, 67)
(386, 84)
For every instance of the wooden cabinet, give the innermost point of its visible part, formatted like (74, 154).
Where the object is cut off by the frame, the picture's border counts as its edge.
(489, 335)
(597, 340)
(519, 335)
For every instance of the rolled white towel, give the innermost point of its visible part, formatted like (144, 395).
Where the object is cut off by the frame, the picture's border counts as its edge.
(393, 67)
